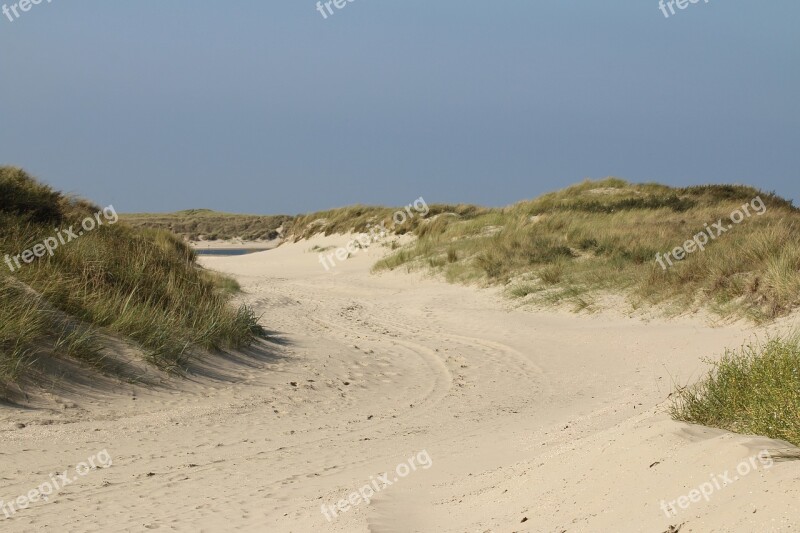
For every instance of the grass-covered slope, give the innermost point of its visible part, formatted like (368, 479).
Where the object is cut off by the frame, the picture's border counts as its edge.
(204, 224)
(197, 224)
(360, 218)
(603, 237)
(139, 284)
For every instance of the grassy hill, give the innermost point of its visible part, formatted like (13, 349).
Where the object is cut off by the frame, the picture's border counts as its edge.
(610, 236)
(140, 285)
(205, 224)
(197, 224)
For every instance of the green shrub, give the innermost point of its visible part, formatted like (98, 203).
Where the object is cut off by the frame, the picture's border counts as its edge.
(754, 390)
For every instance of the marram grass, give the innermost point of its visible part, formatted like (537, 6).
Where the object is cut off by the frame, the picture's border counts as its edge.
(141, 284)
(575, 245)
(753, 390)
(602, 237)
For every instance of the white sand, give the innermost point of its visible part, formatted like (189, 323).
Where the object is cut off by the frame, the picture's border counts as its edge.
(549, 416)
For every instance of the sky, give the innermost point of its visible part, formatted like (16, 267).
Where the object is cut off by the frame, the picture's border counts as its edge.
(268, 107)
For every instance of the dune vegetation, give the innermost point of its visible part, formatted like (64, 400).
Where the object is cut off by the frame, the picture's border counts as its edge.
(754, 390)
(360, 218)
(602, 237)
(205, 224)
(139, 285)
(581, 244)
(576, 245)
(208, 225)
(599, 238)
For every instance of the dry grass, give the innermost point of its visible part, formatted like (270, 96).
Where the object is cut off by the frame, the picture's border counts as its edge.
(360, 218)
(602, 237)
(204, 224)
(574, 245)
(142, 284)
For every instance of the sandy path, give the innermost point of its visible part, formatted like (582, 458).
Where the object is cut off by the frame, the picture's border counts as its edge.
(544, 416)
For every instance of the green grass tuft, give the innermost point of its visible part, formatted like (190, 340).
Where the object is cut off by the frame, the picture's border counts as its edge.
(754, 390)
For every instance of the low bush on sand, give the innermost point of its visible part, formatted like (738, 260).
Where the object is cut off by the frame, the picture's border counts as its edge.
(753, 390)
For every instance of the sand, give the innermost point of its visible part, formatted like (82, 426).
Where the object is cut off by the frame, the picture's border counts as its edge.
(516, 420)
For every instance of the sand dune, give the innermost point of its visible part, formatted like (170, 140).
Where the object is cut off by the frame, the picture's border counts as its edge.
(532, 420)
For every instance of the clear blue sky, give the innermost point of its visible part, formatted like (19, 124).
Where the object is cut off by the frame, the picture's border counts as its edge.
(266, 107)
